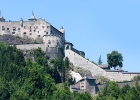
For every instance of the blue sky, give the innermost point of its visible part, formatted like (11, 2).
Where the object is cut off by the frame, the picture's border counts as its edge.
(96, 27)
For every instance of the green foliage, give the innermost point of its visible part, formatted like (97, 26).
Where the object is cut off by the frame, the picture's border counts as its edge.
(136, 78)
(100, 61)
(27, 80)
(111, 91)
(114, 59)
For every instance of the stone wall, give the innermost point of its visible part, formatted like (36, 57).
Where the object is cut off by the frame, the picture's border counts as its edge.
(33, 29)
(79, 61)
(31, 47)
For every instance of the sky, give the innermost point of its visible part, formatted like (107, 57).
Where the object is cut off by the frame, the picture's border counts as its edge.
(96, 27)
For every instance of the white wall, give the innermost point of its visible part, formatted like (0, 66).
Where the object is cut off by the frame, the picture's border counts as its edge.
(79, 61)
(31, 46)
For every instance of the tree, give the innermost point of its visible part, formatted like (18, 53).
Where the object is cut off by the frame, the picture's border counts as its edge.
(100, 61)
(114, 59)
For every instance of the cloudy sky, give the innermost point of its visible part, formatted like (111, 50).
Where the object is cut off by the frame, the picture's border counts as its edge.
(96, 27)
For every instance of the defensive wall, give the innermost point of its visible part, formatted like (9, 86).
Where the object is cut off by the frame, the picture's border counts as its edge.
(52, 52)
(79, 61)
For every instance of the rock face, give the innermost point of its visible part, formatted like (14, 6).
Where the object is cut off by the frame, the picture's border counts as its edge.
(82, 71)
(14, 40)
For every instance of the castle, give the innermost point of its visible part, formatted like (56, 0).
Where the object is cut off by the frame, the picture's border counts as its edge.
(53, 40)
(55, 45)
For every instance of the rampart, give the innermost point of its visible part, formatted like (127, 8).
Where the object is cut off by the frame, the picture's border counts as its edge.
(79, 61)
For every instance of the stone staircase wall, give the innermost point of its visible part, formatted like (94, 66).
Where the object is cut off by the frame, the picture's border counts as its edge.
(79, 61)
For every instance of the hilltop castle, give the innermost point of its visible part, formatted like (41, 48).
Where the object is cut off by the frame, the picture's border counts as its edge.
(55, 45)
(54, 42)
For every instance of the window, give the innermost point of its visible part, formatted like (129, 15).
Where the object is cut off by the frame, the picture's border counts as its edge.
(13, 32)
(38, 31)
(30, 33)
(30, 30)
(46, 33)
(57, 43)
(19, 29)
(42, 26)
(14, 29)
(24, 27)
(49, 42)
(36, 27)
(7, 29)
(38, 35)
(47, 26)
(3, 28)
(30, 26)
(34, 30)
(24, 33)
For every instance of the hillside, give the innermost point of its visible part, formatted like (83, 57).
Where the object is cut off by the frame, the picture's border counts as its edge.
(22, 79)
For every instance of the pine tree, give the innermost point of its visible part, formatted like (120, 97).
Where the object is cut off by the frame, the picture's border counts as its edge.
(100, 61)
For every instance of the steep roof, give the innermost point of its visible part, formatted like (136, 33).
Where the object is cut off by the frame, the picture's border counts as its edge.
(32, 16)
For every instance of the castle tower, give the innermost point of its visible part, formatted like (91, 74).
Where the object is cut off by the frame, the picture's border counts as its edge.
(62, 30)
(32, 18)
(1, 18)
(21, 22)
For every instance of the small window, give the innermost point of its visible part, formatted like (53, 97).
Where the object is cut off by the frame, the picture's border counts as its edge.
(19, 29)
(13, 32)
(47, 26)
(46, 33)
(49, 42)
(14, 29)
(3, 28)
(38, 35)
(30, 26)
(30, 33)
(7, 29)
(24, 33)
(34, 30)
(42, 26)
(38, 31)
(36, 27)
(24, 27)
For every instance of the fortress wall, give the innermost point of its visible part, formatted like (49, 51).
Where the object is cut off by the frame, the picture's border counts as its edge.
(54, 41)
(119, 76)
(79, 61)
(31, 46)
(32, 29)
(9, 25)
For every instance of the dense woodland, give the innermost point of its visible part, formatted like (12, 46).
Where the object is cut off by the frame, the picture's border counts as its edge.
(44, 79)
(22, 79)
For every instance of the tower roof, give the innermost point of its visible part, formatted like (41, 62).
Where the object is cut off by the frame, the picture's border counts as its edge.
(32, 18)
(1, 17)
(62, 29)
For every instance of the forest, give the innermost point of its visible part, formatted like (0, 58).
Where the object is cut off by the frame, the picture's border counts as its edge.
(45, 79)
(22, 79)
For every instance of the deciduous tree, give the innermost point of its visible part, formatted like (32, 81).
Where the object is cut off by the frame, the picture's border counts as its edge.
(114, 58)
